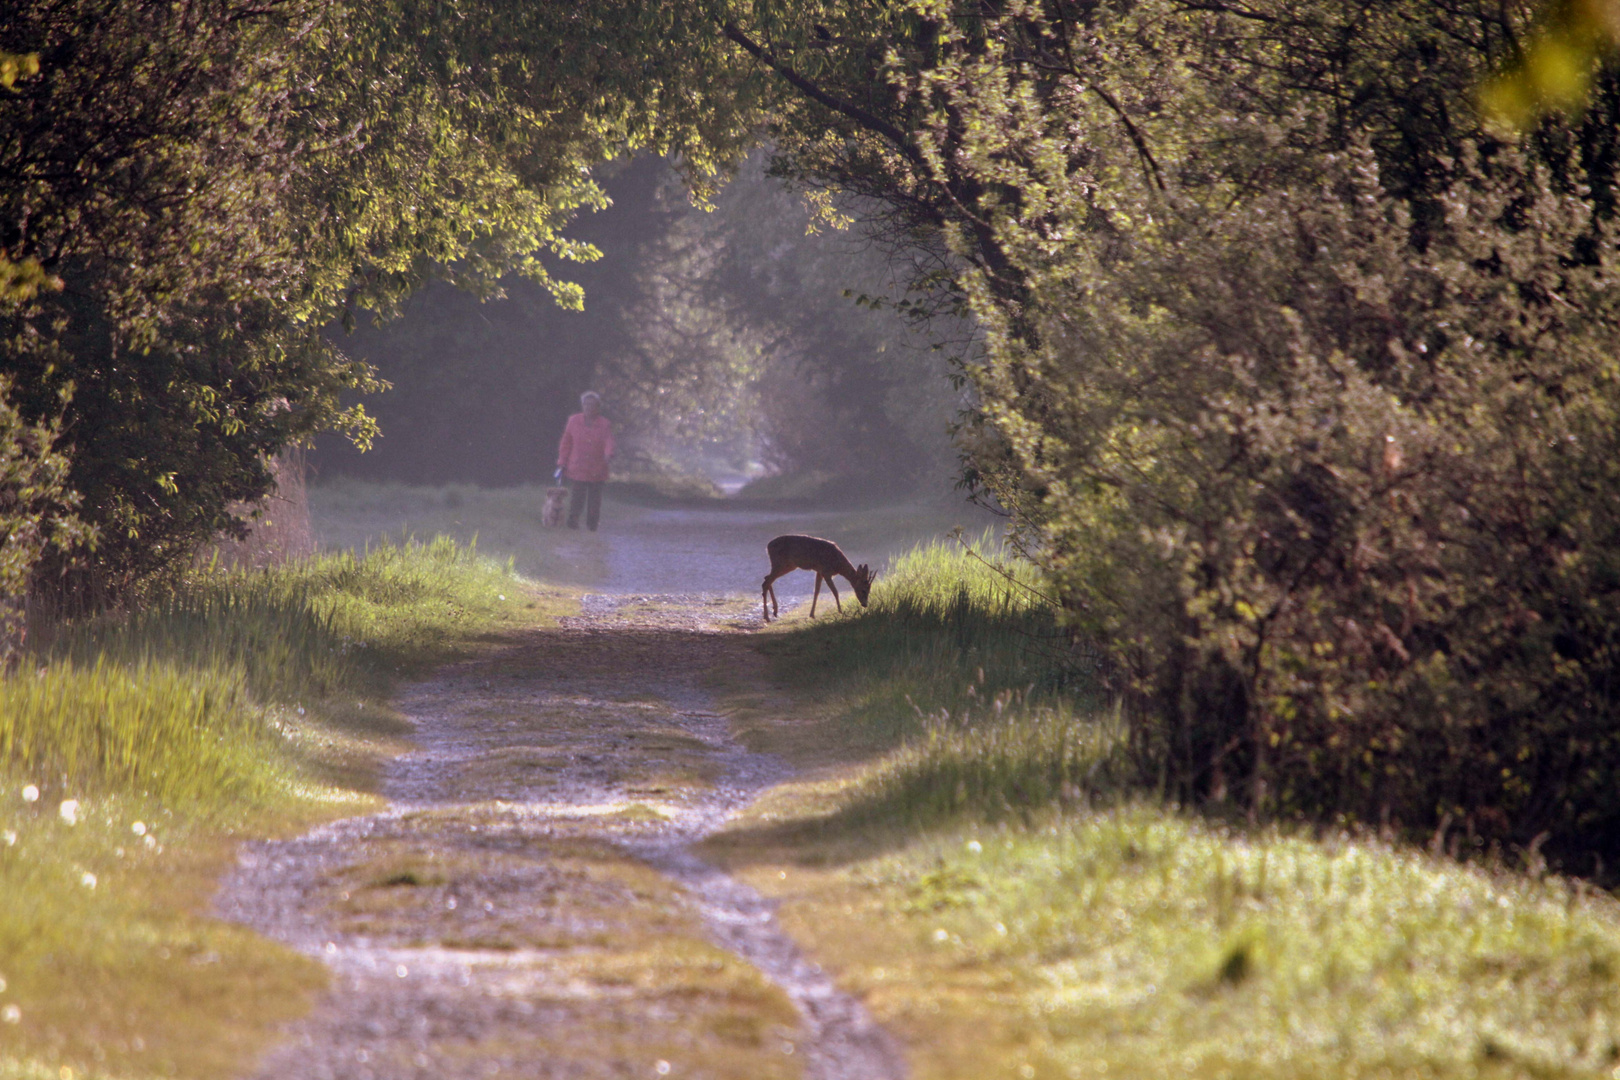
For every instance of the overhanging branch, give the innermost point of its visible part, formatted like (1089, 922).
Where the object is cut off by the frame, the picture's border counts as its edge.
(868, 120)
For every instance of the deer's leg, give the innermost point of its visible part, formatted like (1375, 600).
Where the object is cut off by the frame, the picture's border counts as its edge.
(834, 590)
(815, 595)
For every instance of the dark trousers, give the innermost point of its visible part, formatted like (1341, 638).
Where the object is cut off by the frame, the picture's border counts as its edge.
(586, 495)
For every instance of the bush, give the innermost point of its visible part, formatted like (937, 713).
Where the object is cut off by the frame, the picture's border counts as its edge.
(36, 510)
(1325, 458)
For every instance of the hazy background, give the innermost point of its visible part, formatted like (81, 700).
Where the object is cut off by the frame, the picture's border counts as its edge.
(722, 340)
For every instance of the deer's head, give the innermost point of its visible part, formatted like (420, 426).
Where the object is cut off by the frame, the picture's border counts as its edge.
(863, 583)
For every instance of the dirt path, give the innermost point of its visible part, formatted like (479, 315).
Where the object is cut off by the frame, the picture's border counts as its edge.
(528, 907)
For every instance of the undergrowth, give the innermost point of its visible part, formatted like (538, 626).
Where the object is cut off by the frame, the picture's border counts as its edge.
(134, 746)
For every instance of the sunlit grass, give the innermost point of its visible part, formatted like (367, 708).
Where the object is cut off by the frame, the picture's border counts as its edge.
(193, 698)
(134, 746)
(993, 875)
(1137, 942)
(947, 577)
(957, 638)
(149, 728)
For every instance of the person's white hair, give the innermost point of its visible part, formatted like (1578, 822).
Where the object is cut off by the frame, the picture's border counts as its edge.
(590, 395)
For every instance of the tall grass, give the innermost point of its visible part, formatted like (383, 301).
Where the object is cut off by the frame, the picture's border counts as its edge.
(134, 746)
(960, 664)
(1007, 762)
(153, 729)
(184, 698)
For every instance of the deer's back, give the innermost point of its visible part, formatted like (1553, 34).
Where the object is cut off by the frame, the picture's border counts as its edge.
(797, 552)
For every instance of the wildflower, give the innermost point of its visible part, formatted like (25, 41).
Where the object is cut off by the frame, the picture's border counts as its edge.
(87, 879)
(139, 828)
(69, 811)
(30, 793)
(10, 837)
(11, 1014)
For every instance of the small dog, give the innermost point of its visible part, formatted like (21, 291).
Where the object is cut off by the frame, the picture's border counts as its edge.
(552, 515)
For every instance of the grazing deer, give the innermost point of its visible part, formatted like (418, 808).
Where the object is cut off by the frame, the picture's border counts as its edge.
(794, 552)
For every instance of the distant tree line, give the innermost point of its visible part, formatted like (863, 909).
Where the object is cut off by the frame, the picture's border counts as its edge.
(1295, 365)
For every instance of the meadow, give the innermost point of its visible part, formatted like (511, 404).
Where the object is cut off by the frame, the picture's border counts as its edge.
(974, 848)
(141, 746)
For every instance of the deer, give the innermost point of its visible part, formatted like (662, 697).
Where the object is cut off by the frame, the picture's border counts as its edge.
(795, 552)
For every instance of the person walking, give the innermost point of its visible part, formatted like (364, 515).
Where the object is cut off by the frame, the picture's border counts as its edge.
(582, 458)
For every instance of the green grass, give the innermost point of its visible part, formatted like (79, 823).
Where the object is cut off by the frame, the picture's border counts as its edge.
(957, 639)
(992, 875)
(193, 698)
(1139, 942)
(136, 747)
(175, 735)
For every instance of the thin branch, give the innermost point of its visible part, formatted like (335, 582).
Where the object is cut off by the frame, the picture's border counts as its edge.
(1131, 130)
(854, 112)
(1142, 151)
(1229, 9)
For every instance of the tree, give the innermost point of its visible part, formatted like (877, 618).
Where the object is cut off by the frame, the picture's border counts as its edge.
(1298, 375)
(214, 181)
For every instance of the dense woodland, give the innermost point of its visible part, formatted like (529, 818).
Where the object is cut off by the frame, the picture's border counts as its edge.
(1294, 363)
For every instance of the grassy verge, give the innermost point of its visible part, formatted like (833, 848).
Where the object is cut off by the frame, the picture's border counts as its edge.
(956, 633)
(980, 863)
(135, 750)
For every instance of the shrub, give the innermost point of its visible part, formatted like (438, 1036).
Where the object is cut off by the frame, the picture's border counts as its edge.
(1328, 462)
(36, 510)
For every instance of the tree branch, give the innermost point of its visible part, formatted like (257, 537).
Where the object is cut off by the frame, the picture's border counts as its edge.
(870, 121)
(1131, 130)
(1228, 9)
(1151, 164)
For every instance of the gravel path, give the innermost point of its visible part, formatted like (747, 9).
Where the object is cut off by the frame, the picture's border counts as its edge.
(529, 905)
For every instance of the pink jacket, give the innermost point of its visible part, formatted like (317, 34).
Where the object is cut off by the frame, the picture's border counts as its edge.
(586, 448)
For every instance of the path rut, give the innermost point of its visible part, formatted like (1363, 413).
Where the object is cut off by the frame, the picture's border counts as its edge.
(530, 906)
